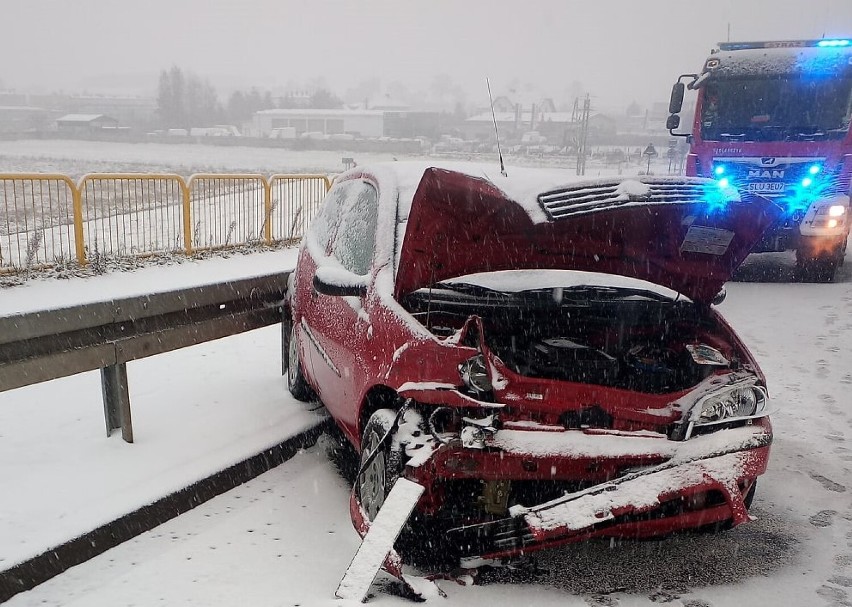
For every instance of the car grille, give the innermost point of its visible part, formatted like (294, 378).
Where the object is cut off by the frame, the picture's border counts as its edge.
(564, 202)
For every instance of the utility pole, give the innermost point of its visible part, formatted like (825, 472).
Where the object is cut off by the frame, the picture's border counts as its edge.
(583, 137)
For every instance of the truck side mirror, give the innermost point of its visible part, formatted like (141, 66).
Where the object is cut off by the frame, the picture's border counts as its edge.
(672, 122)
(676, 101)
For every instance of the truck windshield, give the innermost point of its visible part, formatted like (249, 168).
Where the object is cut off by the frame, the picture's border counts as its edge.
(789, 108)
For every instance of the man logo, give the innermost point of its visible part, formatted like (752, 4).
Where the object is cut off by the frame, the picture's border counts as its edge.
(767, 162)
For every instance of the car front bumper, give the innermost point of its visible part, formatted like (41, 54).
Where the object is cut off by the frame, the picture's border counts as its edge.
(635, 486)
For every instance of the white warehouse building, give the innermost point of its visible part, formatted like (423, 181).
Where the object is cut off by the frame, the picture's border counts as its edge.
(360, 123)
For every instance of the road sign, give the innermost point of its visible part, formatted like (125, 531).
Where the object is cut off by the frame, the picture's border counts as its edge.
(650, 151)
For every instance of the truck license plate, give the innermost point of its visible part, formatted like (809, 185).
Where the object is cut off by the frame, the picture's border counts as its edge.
(770, 186)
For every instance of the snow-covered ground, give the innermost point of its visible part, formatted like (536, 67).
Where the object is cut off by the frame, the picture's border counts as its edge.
(76, 158)
(285, 538)
(195, 411)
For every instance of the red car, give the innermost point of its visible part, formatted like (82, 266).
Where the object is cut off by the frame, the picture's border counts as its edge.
(540, 352)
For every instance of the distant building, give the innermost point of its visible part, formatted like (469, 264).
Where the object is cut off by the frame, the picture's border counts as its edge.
(557, 128)
(23, 119)
(386, 103)
(140, 112)
(359, 123)
(84, 123)
(415, 124)
(523, 102)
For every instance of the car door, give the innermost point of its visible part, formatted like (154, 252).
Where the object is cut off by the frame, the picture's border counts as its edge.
(337, 325)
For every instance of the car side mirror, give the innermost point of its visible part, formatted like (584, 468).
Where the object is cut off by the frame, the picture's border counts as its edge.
(672, 122)
(720, 297)
(339, 282)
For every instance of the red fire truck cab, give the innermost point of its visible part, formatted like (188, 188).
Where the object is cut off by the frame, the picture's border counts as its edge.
(772, 118)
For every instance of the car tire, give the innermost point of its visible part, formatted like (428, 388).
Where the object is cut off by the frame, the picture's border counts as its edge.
(377, 477)
(296, 382)
(423, 540)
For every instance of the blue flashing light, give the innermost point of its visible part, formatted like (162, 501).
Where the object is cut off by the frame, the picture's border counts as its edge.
(719, 169)
(800, 196)
(833, 43)
(814, 169)
(718, 195)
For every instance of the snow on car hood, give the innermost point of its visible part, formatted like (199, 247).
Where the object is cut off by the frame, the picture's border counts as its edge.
(678, 232)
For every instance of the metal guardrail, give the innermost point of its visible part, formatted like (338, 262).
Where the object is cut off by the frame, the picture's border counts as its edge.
(44, 345)
(47, 219)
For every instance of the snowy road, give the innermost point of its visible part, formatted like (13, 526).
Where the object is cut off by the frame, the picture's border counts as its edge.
(285, 538)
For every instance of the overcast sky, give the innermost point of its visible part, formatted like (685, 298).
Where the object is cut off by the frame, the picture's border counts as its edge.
(619, 50)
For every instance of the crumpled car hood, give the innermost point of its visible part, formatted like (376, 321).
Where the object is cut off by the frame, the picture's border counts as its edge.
(681, 233)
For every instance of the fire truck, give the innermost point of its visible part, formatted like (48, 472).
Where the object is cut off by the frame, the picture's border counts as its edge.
(772, 118)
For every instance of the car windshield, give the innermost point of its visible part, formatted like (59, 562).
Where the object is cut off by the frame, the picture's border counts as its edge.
(786, 108)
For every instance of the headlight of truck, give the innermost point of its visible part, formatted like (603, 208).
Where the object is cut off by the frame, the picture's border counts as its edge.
(743, 401)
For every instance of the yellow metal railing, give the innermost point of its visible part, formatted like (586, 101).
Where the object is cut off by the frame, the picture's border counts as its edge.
(294, 200)
(39, 220)
(127, 214)
(47, 219)
(227, 209)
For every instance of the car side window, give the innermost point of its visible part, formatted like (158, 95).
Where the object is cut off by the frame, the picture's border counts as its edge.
(355, 238)
(325, 224)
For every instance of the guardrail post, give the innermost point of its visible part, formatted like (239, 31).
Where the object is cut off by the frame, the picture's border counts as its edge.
(117, 400)
(79, 244)
(187, 218)
(267, 211)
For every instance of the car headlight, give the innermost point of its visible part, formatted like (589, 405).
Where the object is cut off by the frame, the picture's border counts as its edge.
(743, 401)
(834, 210)
(475, 375)
(830, 216)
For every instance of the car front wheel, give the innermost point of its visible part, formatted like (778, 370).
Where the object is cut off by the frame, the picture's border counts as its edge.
(378, 472)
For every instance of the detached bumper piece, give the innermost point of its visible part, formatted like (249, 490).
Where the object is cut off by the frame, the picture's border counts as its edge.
(673, 496)
(377, 544)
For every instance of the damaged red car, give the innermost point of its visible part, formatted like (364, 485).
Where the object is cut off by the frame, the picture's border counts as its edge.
(541, 352)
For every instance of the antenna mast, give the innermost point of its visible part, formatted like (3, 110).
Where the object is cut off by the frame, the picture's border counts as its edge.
(496, 132)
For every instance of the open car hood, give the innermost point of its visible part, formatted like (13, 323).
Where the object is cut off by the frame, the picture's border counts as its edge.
(681, 233)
